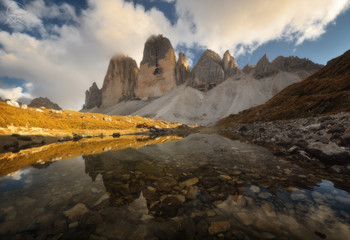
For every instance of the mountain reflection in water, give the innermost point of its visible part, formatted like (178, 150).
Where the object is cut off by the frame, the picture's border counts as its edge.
(200, 187)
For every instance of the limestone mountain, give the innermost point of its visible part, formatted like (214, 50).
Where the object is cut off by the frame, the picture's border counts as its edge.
(208, 72)
(326, 91)
(166, 89)
(44, 102)
(157, 69)
(119, 82)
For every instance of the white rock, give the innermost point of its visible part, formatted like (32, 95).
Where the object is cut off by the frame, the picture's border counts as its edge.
(255, 189)
(12, 103)
(56, 111)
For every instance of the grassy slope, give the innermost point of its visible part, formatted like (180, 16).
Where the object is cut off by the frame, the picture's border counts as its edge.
(14, 120)
(325, 92)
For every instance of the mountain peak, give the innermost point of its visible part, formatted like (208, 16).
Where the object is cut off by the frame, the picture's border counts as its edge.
(182, 70)
(93, 97)
(264, 60)
(294, 63)
(156, 47)
(44, 102)
(157, 69)
(210, 54)
(230, 64)
(208, 72)
(264, 68)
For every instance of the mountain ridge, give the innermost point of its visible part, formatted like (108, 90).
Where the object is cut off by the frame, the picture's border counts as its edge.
(160, 74)
(326, 91)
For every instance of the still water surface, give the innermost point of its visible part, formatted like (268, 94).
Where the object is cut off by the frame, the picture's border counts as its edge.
(199, 187)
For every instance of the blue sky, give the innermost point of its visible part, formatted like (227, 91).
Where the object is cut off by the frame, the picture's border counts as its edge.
(56, 49)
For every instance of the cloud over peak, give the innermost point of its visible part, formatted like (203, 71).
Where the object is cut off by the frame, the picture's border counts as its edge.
(63, 57)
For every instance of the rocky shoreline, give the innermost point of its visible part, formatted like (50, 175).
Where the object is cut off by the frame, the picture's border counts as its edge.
(322, 140)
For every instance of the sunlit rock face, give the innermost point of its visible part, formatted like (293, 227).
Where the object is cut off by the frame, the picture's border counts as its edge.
(120, 80)
(182, 69)
(230, 65)
(157, 69)
(93, 97)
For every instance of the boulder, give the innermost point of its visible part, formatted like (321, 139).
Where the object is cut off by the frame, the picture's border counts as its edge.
(328, 153)
(44, 102)
(345, 139)
(56, 111)
(12, 103)
(24, 106)
(217, 227)
(108, 119)
(76, 212)
(93, 97)
(157, 69)
(208, 72)
(120, 80)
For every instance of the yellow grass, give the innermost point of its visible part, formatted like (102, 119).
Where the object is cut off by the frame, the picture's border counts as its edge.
(30, 121)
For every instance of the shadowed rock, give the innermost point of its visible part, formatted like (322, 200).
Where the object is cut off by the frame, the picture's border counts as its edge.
(93, 97)
(182, 69)
(120, 80)
(208, 72)
(264, 68)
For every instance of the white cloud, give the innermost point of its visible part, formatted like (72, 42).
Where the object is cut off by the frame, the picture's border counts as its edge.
(254, 22)
(64, 65)
(14, 93)
(67, 58)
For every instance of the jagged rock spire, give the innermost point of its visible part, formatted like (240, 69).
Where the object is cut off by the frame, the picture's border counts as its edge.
(157, 69)
(182, 69)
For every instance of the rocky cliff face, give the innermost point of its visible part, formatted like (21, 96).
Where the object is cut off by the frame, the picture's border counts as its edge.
(160, 76)
(93, 97)
(208, 72)
(182, 69)
(157, 69)
(230, 65)
(264, 68)
(120, 80)
(44, 102)
(295, 64)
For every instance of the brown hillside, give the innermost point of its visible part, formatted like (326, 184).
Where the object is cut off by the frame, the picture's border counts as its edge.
(30, 121)
(325, 92)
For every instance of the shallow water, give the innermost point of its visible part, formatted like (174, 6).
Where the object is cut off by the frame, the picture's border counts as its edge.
(199, 187)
